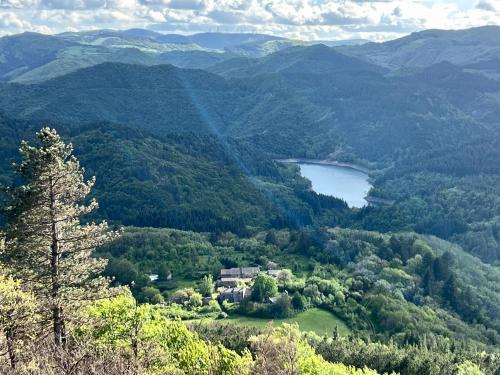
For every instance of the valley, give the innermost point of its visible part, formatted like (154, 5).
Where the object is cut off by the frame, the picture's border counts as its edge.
(215, 152)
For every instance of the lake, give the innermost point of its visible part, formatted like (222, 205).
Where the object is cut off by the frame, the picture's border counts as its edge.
(346, 183)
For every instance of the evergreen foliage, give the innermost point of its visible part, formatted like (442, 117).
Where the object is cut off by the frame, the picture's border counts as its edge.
(46, 246)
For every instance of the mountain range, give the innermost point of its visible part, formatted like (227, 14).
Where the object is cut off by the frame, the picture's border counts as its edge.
(476, 49)
(32, 57)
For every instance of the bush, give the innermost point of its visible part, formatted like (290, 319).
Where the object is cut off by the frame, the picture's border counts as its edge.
(299, 302)
(212, 307)
(282, 308)
(151, 295)
(195, 300)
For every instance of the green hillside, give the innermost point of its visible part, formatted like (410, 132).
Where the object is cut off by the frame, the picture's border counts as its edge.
(185, 135)
(428, 47)
(32, 57)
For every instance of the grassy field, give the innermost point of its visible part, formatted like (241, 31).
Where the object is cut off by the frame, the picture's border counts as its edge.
(320, 321)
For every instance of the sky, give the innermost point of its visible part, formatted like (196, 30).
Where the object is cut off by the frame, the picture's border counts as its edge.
(376, 20)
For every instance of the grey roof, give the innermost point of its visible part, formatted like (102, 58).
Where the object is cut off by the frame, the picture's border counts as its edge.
(246, 270)
(230, 272)
(235, 272)
(235, 290)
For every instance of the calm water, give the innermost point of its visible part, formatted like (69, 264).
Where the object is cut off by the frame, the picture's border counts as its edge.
(341, 182)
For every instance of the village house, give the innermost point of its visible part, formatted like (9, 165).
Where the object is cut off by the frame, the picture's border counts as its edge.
(234, 294)
(234, 280)
(231, 282)
(250, 272)
(232, 277)
(230, 272)
(242, 272)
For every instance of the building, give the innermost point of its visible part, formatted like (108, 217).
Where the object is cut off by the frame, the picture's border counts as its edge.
(231, 282)
(234, 294)
(242, 273)
(250, 271)
(230, 272)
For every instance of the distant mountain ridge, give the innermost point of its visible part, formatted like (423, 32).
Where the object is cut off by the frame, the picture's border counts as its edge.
(32, 57)
(478, 45)
(296, 59)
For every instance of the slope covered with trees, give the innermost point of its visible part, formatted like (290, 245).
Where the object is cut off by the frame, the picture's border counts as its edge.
(49, 285)
(301, 102)
(185, 160)
(184, 180)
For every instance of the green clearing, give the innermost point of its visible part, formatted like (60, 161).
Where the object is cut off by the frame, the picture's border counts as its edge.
(316, 320)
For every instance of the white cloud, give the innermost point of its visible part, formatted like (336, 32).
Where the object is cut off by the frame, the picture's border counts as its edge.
(20, 4)
(306, 19)
(9, 20)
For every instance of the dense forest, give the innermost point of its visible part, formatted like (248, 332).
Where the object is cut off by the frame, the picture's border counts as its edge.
(148, 179)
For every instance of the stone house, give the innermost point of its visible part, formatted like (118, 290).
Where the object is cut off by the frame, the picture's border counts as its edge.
(234, 294)
(231, 282)
(241, 272)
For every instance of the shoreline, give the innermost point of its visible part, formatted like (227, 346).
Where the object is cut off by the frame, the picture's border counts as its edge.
(334, 163)
(370, 200)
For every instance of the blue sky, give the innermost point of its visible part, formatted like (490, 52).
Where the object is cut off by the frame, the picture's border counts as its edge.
(303, 19)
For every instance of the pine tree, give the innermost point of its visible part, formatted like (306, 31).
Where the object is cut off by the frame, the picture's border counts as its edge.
(428, 283)
(46, 245)
(450, 292)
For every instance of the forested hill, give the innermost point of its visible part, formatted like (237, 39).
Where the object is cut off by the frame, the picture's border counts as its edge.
(32, 57)
(312, 100)
(156, 98)
(421, 49)
(182, 180)
(186, 160)
(162, 99)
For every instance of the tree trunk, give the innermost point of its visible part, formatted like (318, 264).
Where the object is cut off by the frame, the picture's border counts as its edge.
(9, 335)
(59, 326)
(57, 310)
